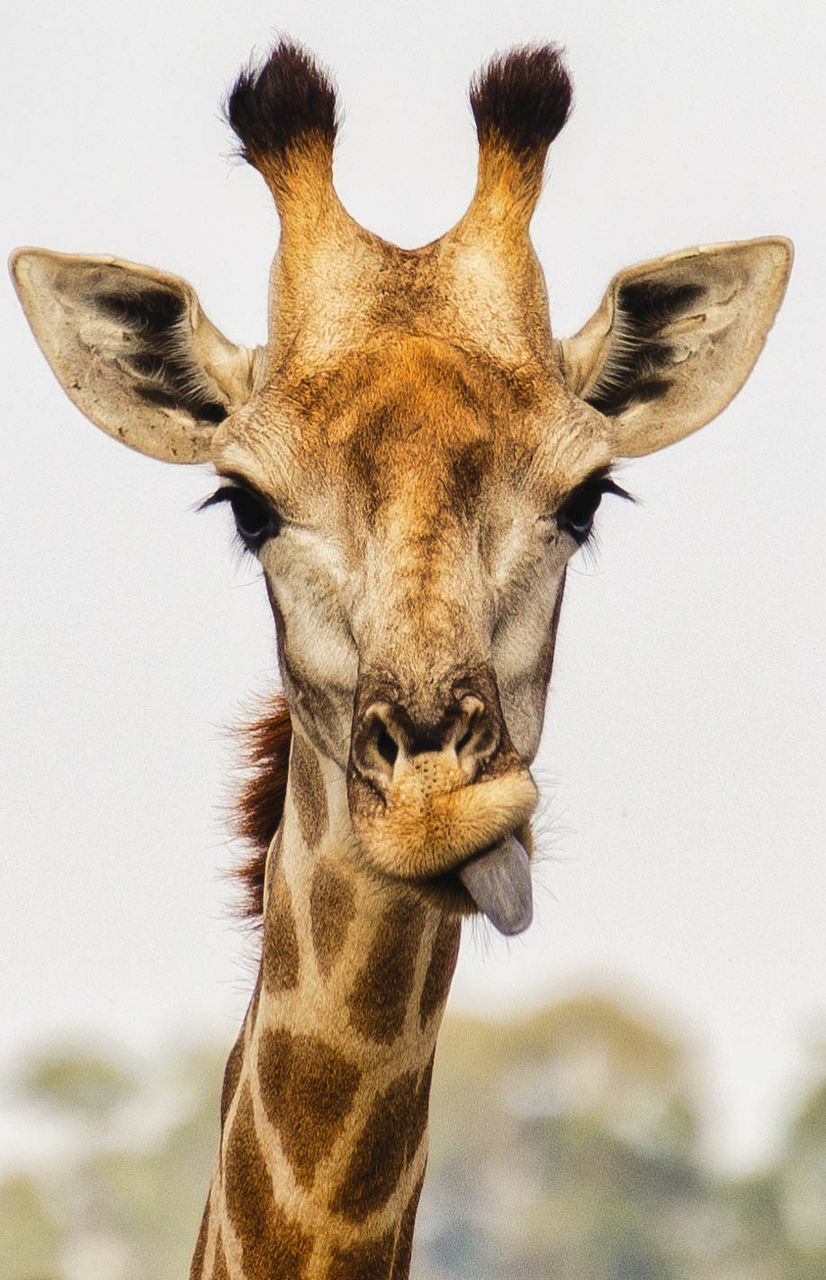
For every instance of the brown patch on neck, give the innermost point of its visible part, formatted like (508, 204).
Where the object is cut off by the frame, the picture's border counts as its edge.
(332, 908)
(235, 1061)
(260, 804)
(220, 1270)
(440, 969)
(404, 1245)
(232, 1074)
(197, 1265)
(308, 1089)
(366, 1261)
(389, 1139)
(271, 1243)
(280, 958)
(382, 988)
(308, 794)
(252, 1012)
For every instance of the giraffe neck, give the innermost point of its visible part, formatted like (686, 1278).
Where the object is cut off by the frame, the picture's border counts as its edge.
(325, 1099)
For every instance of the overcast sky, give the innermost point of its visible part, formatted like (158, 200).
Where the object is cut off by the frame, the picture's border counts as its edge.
(683, 759)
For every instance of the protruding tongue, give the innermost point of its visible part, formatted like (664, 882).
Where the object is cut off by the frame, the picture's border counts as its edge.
(499, 881)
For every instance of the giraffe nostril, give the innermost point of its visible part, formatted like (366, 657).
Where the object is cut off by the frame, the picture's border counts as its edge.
(476, 733)
(387, 748)
(387, 740)
(377, 743)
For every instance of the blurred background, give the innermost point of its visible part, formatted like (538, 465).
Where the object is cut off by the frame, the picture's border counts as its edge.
(635, 1090)
(565, 1144)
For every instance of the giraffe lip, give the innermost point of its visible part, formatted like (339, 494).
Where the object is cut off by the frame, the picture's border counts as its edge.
(499, 881)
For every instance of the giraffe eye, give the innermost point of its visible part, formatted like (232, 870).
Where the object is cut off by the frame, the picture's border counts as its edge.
(576, 515)
(255, 519)
(252, 516)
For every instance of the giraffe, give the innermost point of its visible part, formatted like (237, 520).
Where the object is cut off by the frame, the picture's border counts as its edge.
(413, 458)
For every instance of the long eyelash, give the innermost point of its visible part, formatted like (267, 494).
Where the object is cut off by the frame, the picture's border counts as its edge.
(610, 485)
(588, 551)
(607, 484)
(233, 483)
(224, 494)
(590, 543)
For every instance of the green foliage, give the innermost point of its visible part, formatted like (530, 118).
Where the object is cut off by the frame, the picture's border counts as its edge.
(29, 1236)
(126, 1199)
(564, 1145)
(76, 1081)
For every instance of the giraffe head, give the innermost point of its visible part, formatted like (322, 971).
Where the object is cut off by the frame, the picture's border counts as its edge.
(412, 457)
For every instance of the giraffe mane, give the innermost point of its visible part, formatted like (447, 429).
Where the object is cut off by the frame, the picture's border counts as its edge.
(259, 805)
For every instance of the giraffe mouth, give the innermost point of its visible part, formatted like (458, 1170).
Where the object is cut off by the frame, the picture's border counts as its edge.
(456, 840)
(499, 882)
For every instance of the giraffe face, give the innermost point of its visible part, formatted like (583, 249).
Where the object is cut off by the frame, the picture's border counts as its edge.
(413, 457)
(414, 535)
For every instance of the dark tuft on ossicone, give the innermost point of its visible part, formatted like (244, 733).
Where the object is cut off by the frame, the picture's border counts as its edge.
(274, 106)
(522, 98)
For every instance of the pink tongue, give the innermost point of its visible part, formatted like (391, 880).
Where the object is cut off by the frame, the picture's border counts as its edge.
(499, 881)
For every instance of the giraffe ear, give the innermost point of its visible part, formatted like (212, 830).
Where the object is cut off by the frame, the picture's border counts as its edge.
(675, 339)
(133, 350)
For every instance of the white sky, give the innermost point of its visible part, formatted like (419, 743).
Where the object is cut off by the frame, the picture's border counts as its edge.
(684, 752)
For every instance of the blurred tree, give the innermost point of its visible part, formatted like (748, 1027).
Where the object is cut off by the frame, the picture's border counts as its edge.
(77, 1081)
(151, 1197)
(579, 1127)
(29, 1236)
(802, 1189)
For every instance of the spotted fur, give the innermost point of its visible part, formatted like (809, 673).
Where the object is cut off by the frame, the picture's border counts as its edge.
(413, 434)
(219, 1266)
(366, 1261)
(197, 1266)
(439, 970)
(280, 958)
(332, 911)
(272, 1244)
(308, 1088)
(307, 790)
(391, 1133)
(382, 987)
(404, 1242)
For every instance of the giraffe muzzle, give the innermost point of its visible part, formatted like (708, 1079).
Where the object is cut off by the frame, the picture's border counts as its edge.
(439, 796)
(388, 740)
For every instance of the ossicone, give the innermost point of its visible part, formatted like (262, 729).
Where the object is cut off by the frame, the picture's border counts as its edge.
(283, 111)
(521, 99)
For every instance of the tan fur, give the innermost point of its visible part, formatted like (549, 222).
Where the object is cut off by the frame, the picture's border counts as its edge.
(432, 821)
(410, 449)
(714, 345)
(367, 1011)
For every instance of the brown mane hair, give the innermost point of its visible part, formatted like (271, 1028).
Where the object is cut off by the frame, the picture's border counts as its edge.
(259, 805)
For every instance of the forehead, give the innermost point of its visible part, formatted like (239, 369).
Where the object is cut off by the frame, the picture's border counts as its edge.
(414, 412)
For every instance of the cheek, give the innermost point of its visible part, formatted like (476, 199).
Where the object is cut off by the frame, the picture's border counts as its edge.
(523, 651)
(319, 662)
